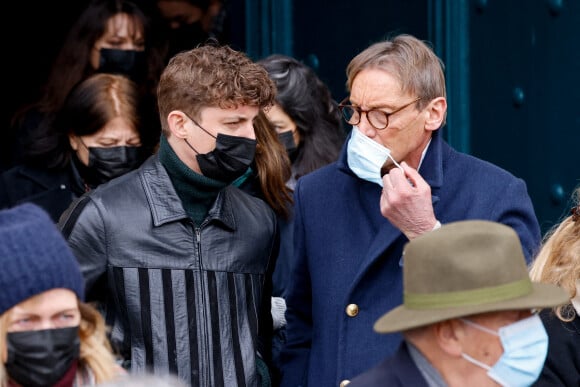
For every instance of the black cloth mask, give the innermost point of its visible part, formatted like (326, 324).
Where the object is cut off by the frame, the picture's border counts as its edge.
(287, 139)
(130, 63)
(41, 358)
(230, 159)
(108, 163)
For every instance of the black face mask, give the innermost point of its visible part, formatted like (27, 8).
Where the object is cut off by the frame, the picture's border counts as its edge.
(108, 163)
(287, 139)
(230, 159)
(41, 358)
(130, 63)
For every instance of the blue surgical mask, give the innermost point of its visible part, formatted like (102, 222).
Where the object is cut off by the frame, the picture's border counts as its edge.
(366, 157)
(525, 346)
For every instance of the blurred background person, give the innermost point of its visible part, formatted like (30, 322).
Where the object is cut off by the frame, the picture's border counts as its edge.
(558, 262)
(189, 23)
(305, 116)
(95, 137)
(112, 36)
(48, 336)
(308, 123)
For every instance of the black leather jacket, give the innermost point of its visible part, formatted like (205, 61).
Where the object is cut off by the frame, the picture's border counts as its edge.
(188, 300)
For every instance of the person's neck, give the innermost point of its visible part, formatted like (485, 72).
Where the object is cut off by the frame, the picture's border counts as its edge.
(196, 191)
(415, 159)
(183, 152)
(68, 378)
(454, 370)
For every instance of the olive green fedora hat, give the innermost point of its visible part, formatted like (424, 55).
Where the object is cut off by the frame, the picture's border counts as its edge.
(465, 268)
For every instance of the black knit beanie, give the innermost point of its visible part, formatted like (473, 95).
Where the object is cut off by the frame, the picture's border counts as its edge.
(34, 257)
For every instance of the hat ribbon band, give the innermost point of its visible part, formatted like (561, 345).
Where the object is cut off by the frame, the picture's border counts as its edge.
(468, 297)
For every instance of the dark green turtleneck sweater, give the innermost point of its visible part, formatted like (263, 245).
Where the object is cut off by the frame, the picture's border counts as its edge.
(197, 192)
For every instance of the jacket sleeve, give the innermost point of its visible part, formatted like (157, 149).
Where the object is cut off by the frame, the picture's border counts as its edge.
(296, 353)
(83, 227)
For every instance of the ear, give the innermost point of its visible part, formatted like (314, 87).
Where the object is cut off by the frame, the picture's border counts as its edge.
(435, 113)
(72, 139)
(449, 337)
(177, 121)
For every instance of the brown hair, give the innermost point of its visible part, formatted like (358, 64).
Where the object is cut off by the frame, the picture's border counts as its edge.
(410, 60)
(89, 106)
(218, 76)
(96, 352)
(273, 166)
(212, 76)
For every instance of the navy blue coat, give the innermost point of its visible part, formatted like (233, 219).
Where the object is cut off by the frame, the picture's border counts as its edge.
(398, 370)
(346, 252)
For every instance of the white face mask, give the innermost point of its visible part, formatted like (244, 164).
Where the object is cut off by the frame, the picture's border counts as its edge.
(525, 346)
(366, 157)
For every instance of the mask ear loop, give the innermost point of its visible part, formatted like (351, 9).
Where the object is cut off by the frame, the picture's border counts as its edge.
(386, 169)
(476, 362)
(480, 327)
(199, 126)
(82, 142)
(397, 164)
(192, 148)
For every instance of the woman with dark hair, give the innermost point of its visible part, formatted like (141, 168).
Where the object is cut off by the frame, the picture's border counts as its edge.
(305, 115)
(109, 36)
(94, 138)
(309, 124)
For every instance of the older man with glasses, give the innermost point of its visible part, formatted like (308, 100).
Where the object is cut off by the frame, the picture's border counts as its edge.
(396, 179)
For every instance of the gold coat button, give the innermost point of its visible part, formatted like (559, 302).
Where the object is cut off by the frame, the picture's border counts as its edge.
(344, 382)
(352, 310)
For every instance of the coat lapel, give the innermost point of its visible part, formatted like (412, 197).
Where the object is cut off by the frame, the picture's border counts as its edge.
(386, 234)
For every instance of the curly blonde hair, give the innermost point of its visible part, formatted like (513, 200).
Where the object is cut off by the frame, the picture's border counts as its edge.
(558, 261)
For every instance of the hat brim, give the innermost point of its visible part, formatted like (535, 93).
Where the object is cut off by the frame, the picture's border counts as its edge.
(402, 318)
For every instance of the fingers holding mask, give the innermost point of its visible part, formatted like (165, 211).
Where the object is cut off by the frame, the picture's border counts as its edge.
(406, 199)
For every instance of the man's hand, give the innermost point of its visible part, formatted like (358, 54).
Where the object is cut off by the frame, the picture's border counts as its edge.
(406, 202)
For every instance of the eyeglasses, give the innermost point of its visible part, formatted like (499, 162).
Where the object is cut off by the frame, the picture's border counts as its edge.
(377, 118)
